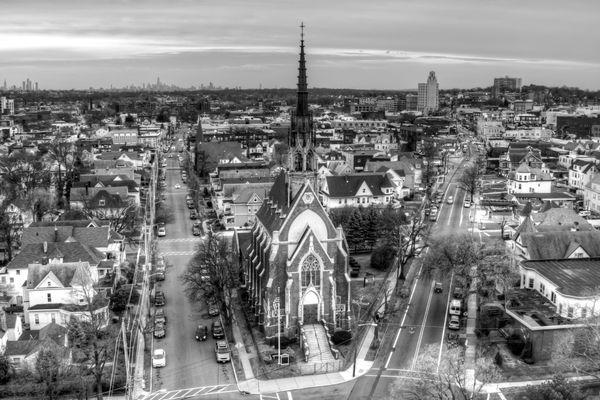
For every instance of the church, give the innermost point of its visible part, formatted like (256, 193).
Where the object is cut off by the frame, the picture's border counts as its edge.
(294, 261)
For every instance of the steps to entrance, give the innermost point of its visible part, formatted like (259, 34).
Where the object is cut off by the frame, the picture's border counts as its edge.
(317, 343)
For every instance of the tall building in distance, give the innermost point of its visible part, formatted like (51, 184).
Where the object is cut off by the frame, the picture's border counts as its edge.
(428, 97)
(505, 84)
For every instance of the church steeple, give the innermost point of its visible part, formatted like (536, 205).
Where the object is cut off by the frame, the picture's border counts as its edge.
(302, 102)
(302, 136)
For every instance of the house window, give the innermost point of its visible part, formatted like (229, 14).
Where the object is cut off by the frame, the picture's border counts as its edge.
(553, 297)
(3, 279)
(53, 318)
(36, 319)
(531, 281)
(584, 312)
(523, 280)
(102, 203)
(311, 271)
(49, 297)
(12, 280)
(49, 283)
(18, 272)
(560, 307)
(542, 288)
(569, 312)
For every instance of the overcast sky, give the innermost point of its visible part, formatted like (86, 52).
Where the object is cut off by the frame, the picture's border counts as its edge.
(380, 44)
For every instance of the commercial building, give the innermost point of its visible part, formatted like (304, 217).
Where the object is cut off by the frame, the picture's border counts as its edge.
(505, 84)
(428, 97)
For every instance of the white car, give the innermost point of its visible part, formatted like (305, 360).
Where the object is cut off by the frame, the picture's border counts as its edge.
(454, 322)
(450, 200)
(467, 204)
(177, 186)
(159, 359)
(162, 231)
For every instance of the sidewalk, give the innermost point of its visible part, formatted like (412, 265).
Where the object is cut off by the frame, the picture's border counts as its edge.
(260, 386)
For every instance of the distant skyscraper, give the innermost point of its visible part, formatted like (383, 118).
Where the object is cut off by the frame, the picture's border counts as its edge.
(428, 99)
(505, 84)
(4, 87)
(36, 86)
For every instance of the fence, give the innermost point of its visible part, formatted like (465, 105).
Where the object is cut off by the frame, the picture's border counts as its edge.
(320, 368)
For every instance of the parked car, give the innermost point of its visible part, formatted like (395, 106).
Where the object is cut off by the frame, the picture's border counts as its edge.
(217, 330)
(162, 230)
(159, 358)
(201, 332)
(213, 309)
(159, 316)
(450, 200)
(454, 322)
(158, 276)
(159, 330)
(467, 204)
(458, 292)
(193, 214)
(196, 229)
(159, 299)
(222, 352)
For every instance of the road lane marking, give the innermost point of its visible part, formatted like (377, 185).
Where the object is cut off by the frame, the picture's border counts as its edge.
(289, 395)
(423, 324)
(388, 359)
(437, 369)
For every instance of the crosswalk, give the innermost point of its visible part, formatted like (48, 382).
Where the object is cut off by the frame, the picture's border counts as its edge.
(186, 393)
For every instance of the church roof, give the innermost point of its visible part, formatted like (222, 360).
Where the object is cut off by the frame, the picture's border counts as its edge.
(268, 214)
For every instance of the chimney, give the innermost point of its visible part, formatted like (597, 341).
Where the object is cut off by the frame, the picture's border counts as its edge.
(45, 247)
(55, 233)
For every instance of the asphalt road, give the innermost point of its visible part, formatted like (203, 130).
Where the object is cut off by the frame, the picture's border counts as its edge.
(190, 364)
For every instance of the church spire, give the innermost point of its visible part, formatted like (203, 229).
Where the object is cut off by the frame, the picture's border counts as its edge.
(302, 103)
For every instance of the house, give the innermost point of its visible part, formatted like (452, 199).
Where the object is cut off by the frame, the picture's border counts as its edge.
(527, 179)
(110, 181)
(581, 174)
(11, 329)
(112, 159)
(244, 207)
(24, 351)
(15, 274)
(517, 156)
(357, 190)
(59, 291)
(591, 195)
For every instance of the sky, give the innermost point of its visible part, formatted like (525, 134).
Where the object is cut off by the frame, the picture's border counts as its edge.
(377, 44)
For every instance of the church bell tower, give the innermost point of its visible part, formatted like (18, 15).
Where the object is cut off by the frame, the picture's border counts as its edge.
(302, 141)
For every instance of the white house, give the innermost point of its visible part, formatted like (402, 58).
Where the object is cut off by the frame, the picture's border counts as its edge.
(56, 293)
(575, 294)
(591, 194)
(357, 190)
(528, 179)
(580, 174)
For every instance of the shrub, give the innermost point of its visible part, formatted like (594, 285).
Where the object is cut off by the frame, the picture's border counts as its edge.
(382, 257)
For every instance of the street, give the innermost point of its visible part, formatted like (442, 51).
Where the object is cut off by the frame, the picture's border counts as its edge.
(190, 363)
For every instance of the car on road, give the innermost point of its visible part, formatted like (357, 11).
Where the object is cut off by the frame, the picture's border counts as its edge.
(433, 215)
(177, 186)
(158, 276)
(217, 330)
(162, 230)
(159, 299)
(467, 204)
(159, 316)
(159, 330)
(159, 358)
(196, 229)
(201, 332)
(438, 287)
(454, 322)
(222, 352)
(450, 200)
(585, 213)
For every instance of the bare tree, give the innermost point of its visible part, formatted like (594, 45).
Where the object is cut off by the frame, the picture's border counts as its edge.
(51, 368)
(123, 219)
(63, 154)
(447, 380)
(92, 337)
(470, 179)
(210, 272)
(579, 348)
(23, 172)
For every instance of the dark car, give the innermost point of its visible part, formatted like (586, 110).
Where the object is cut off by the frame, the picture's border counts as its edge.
(159, 299)
(201, 332)
(217, 330)
(193, 214)
(213, 309)
(438, 287)
(196, 229)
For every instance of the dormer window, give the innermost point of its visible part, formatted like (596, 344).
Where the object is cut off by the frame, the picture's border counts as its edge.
(102, 203)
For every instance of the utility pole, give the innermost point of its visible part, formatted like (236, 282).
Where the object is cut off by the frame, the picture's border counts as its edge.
(278, 328)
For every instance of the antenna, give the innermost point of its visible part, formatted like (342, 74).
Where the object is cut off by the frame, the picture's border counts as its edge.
(302, 31)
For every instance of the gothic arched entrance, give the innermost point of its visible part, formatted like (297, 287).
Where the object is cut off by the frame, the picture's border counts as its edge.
(310, 308)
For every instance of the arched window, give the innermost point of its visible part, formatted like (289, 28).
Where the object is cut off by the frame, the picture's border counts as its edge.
(311, 271)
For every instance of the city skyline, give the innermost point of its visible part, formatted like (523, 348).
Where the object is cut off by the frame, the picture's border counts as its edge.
(387, 45)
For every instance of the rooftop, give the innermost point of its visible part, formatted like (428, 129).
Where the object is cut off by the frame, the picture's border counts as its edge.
(578, 277)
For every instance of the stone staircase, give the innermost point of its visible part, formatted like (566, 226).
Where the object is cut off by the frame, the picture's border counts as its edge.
(318, 344)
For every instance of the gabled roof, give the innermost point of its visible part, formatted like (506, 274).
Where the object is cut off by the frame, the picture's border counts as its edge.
(526, 226)
(96, 237)
(69, 251)
(348, 185)
(248, 194)
(560, 219)
(278, 197)
(556, 245)
(69, 274)
(21, 347)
